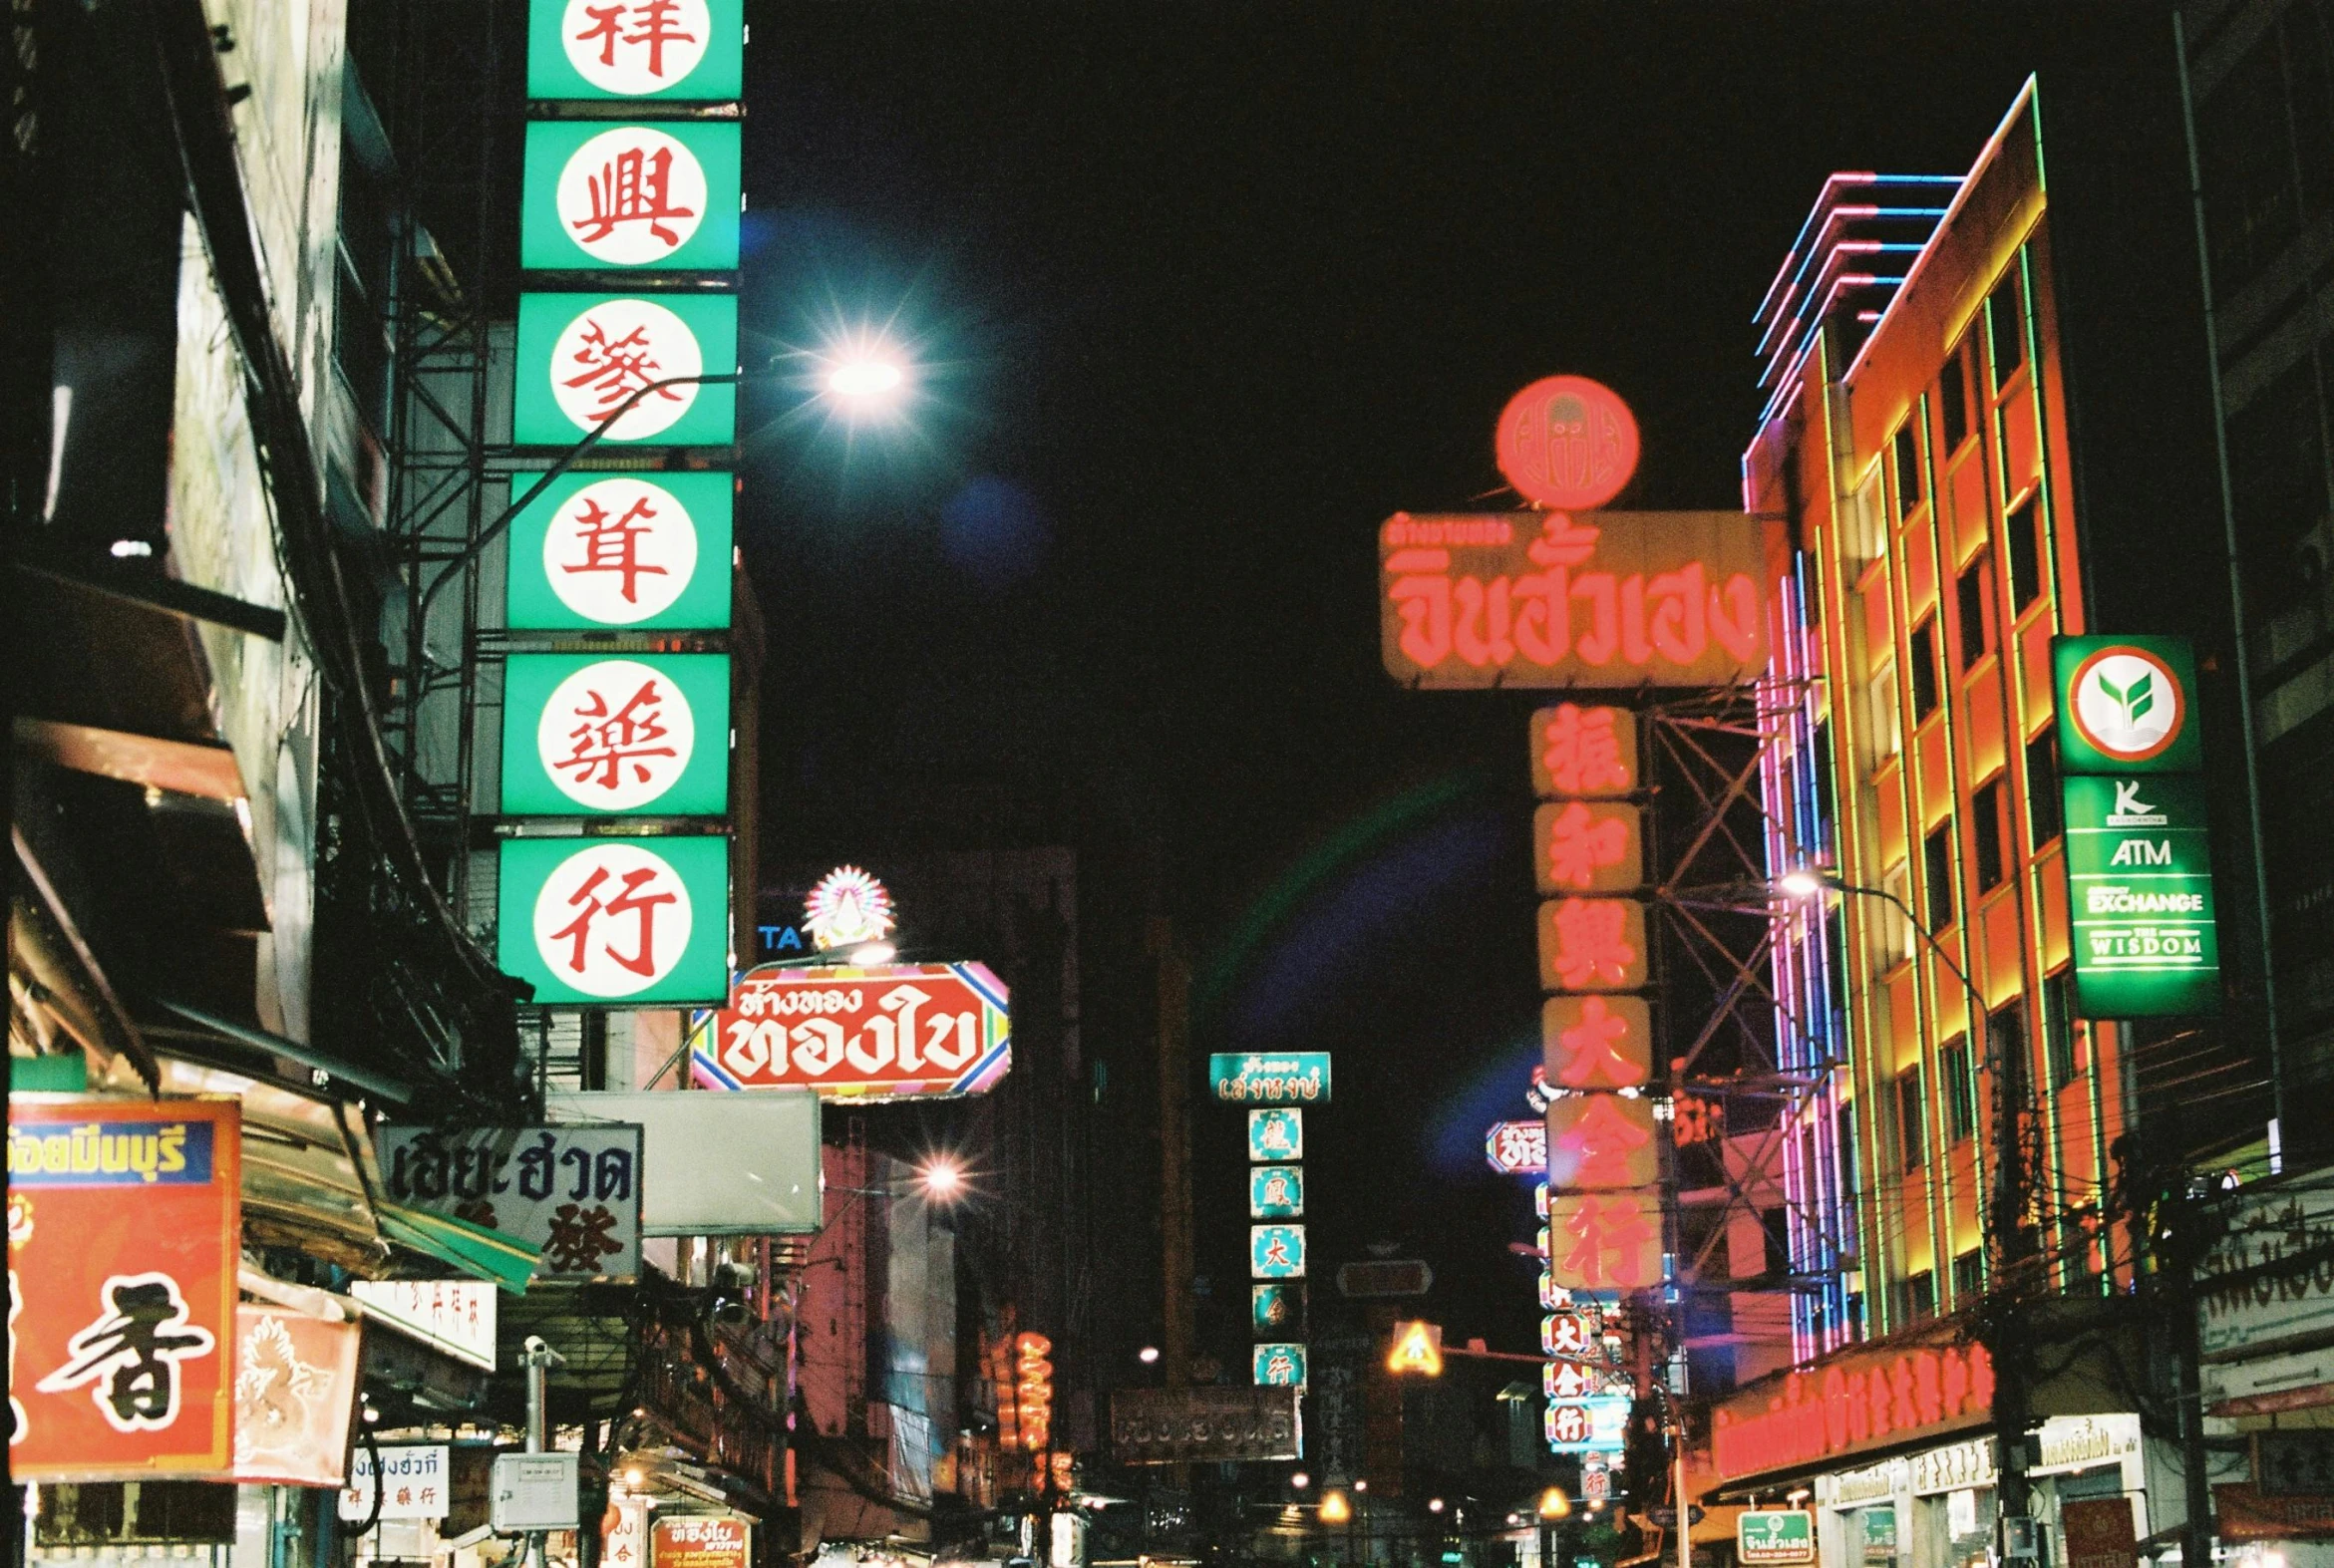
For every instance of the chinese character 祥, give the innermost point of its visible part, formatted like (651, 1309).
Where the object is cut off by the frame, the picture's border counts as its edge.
(654, 28)
(628, 901)
(612, 544)
(604, 742)
(132, 1353)
(615, 369)
(1609, 1237)
(1580, 751)
(1580, 843)
(1592, 946)
(634, 187)
(1592, 1052)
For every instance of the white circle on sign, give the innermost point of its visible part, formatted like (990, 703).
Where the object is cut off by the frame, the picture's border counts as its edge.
(620, 550)
(612, 919)
(631, 195)
(615, 735)
(2128, 704)
(613, 349)
(633, 47)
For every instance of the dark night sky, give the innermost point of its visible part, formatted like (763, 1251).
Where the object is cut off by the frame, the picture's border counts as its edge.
(1206, 291)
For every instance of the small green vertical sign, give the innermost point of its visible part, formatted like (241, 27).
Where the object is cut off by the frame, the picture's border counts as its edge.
(582, 357)
(2127, 705)
(627, 922)
(631, 735)
(622, 552)
(2140, 894)
(631, 195)
(668, 51)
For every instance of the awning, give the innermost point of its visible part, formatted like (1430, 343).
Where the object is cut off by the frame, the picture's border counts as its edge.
(476, 1251)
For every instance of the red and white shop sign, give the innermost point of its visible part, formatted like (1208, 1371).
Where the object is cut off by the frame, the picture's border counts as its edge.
(890, 1032)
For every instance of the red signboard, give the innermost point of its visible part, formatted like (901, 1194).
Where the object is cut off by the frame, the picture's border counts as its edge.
(1593, 944)
(1567, 442)
(1605, 1241)
(1594, 1041)
(1860, 1400)
(890, 1032)
(124, 1226)
(1583, 752)
(2098, 1533)
(1616, 600)
(1601, 1142)
(2245, 1514)
(705, 1541)
(295, 1396)
(1581, 846)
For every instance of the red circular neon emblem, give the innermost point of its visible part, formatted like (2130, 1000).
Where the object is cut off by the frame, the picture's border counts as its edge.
(1568, 442)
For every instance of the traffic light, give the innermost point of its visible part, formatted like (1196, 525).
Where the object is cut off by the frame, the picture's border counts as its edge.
(1418, 1348)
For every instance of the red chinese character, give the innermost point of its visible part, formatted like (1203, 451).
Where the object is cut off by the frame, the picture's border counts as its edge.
(1602, 1143)
(1581, 751)
(626, 902)
(1569, 1424)
(1580, 843)
(607, 741)
(1903, 1411)
(1592, 942)
(656, 28)
(1592, 1058)
(633, 187)
(1609, 1236)
(1927, 1398)
(616, 369)
(1956, 1383)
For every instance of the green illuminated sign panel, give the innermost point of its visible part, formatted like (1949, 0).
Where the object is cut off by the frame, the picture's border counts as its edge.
(2127, 705)
(616, 921)
(581, 356)
(608, 551)
(660, 197)
(2140, 893)
(631, 735)
(675, 51)
(1269, 1078)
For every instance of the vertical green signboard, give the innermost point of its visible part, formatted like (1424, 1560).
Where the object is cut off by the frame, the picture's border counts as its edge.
(637, 197)
(638, 735)
(672, 51)
(629, 923)
(610, 551)
(2127, 705)
(580, 357)
(2140, 893)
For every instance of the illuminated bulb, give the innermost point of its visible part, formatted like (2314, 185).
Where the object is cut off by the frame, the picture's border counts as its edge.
(868, 953)
(1434, 1505)
(1148, 1355)
(1802, 883)
(864, 380)
(943, 1179)
(1300, 1481)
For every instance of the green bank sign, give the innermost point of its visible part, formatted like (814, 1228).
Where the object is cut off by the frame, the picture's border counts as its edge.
(647, 196)
(635, 734)
(616, 921)
(1262, 1078)
(2127, 705)
(2140, 894)
(583, 358)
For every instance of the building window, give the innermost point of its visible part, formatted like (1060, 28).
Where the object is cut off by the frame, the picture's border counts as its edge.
(1985, 816)
(1912, 1139)
(1775, 1231)
(2075, 1246)
(1968, 1276)
(1910, 489)
(2025, 543)
(2057, 1028)
(2006, 1048)
(1920, 1297)
(1972, 591)
(1960, 1091)
(1888, 736)
(2005, 319)
(1936, 854)
(1921, 662)
(2043, 807)
(1953, 401)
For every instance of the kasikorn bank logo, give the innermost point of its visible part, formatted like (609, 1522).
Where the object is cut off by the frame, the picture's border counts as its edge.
(2127, 703)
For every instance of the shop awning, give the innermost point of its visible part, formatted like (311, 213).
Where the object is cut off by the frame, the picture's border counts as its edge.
(476, 1251)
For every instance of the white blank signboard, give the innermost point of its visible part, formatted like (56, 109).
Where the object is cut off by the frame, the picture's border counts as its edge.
(715, 1164)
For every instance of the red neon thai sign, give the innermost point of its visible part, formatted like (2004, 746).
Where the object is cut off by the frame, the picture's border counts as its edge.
(1566, 442)
(1596, 599)
(1857, 1401)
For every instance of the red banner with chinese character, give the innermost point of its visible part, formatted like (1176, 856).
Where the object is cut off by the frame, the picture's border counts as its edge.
(124, 1225)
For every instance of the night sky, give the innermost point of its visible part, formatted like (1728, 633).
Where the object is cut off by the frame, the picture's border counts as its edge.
(1203, 293)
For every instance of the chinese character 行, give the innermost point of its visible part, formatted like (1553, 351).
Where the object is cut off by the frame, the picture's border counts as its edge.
(628, 901)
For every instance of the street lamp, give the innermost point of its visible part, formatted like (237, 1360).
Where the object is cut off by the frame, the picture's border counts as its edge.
(942, 1180)
(1554, 1508)
(2000, 1325)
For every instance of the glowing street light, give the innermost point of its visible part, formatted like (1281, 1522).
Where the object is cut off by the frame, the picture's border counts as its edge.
(1300, 1481)
(1334, 1508)
(1148, 1355)
(1434, 1505)
(1553, 1504)
(942, 1180)
(865, 379)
